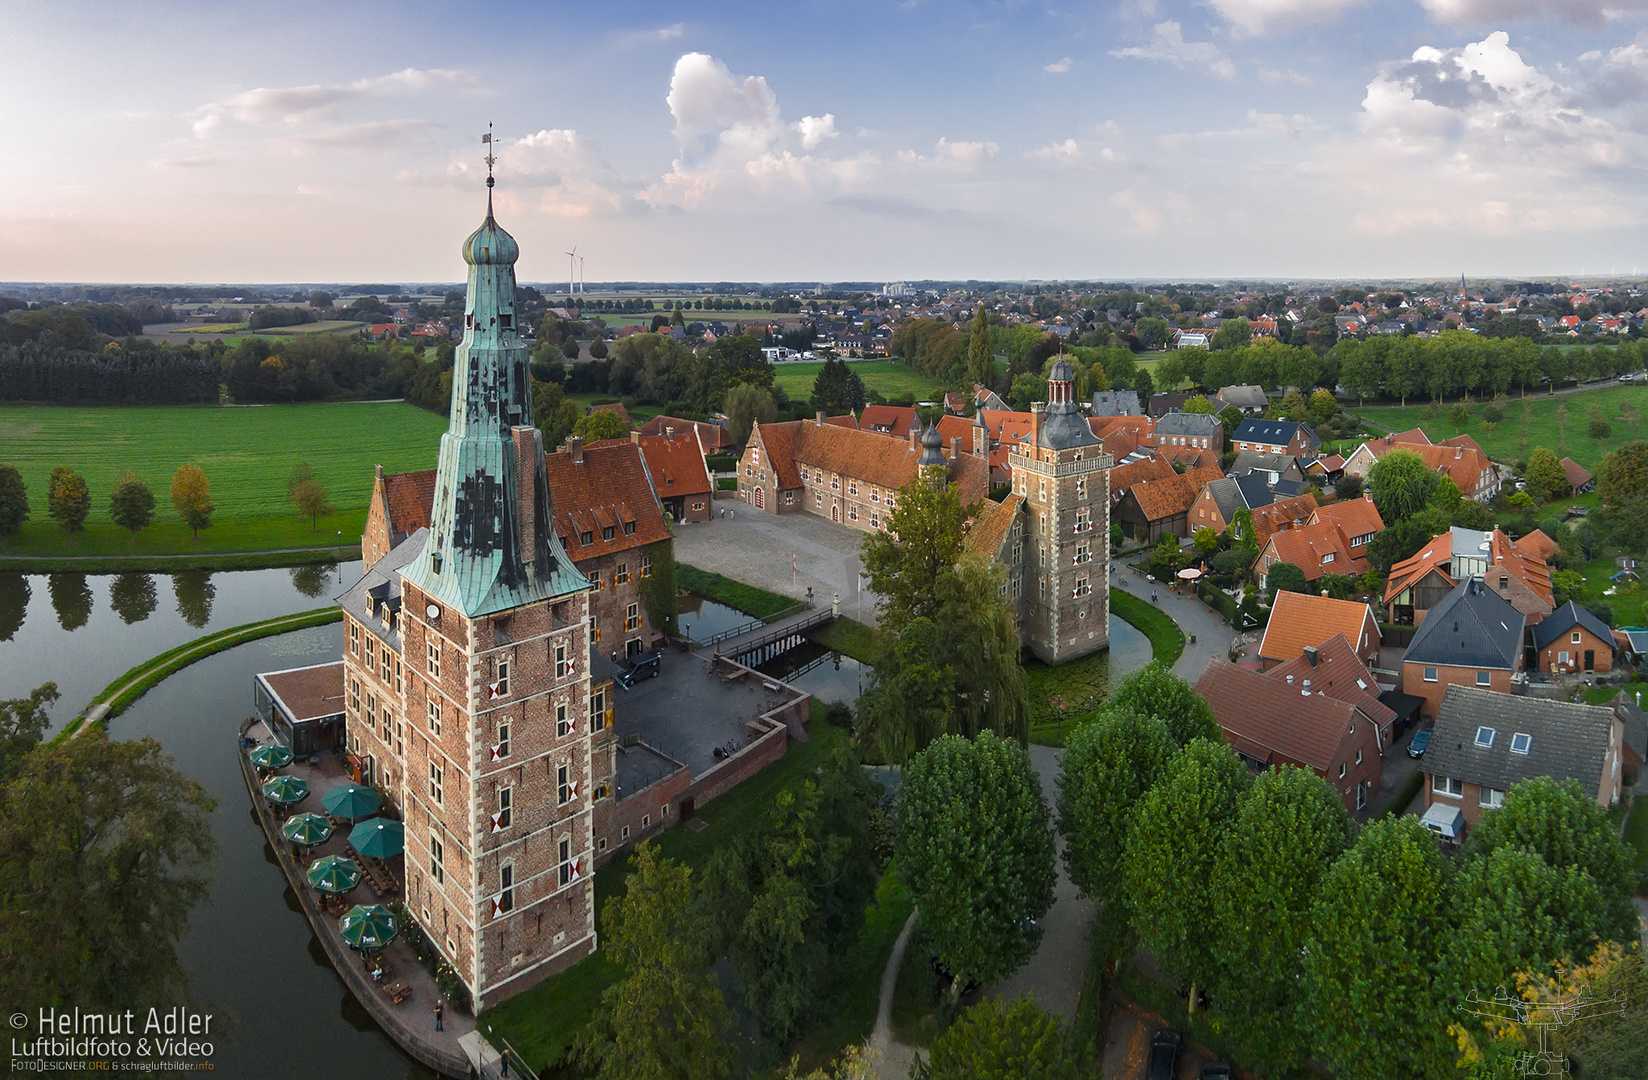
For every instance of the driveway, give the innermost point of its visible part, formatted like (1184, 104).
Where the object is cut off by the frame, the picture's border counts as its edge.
(1054, 975)
(1213, 635)
(760, 548)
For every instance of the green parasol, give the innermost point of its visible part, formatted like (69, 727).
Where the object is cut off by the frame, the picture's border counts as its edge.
(285, 789)
(334, 874)
(272, 756)
(367, 926)
(379, 838)
(351, 801)
(307, 830)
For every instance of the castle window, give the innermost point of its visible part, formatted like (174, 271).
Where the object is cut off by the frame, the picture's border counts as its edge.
(629, 528)
(622, 576)
(852, 487)
(595, 580)
(371, 653)
(835, 483)
(607, 532)
(371, 709)
(501, 686)
(1082, 588)
(818, 498)
(561, 666)
(354, 637)
(586, 538)
(506, 807)
(564, 864)
(875, 521)
(503, 740)
(434, 658)
(632, 617)
(890, 500)
(354, 695)
(433, 709)
(852, 512)
(506, 879)
(436, 789)
(564, 788)
(506, 321)
(437, 863)
(646, 564)
(597, 711)
(563, 726)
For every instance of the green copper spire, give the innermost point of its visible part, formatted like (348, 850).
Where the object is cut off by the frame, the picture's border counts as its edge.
(491, 546)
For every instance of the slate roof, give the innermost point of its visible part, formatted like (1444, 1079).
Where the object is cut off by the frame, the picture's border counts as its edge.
(1300, 620)
(989, 528)
(1255, 490)
(1116, 403)
(1258, 711)
(1567, 617)
(1244, 397)
(1249, 460)
(1226, 496)
(609, 489)
(1472, 627)
(1197, 425)
(1569, 741)
(676, 465)
(1275, 432)
(375, 600)
(1161, 404)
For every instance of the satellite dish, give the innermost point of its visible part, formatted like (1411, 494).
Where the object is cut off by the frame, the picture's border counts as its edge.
(432, 611)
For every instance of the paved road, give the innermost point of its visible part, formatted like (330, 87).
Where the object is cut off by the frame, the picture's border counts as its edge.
(1213, 635)
(757, 547)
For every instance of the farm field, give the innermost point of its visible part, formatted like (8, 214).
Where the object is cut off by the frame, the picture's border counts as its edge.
(247, 453)
(326, 326)
(889, 378)
(1508, 441)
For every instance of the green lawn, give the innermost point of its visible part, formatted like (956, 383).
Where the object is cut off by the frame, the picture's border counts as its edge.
(1636, 835)
(638, 413)
(863, 643)
(1630, 599)
(1510, 441)
(325, 326)
(752, 600)
(248, 455)
(542, 1022)
(889, 378)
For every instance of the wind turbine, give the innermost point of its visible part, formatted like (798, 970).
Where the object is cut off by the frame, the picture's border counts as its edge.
(572, 264)
(580, 273)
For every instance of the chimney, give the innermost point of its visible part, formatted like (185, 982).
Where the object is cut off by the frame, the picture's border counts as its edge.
(1036, 409)
(528, 454)
(635, 438)
(575, 448)
(669, 436)
(820, 420)
(1310, 657)
(955, 447)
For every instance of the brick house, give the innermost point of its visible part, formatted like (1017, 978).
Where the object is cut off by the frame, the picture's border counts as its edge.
(1152, 508)
(1317, 549)
(1199, 431)
(675, 465)
(1486, 742)
(1571, 639)
(713, 437)
(1516, 571)
(894, 420)
(1269, 722)
(1334, 668)
(1275, 437)
(1472, 637)
(1301, 621)
(1461, 460)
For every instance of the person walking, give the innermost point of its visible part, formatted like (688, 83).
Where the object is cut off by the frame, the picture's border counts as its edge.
(440, 1009)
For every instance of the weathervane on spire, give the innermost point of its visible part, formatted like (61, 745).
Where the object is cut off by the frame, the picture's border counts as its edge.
(491, 159)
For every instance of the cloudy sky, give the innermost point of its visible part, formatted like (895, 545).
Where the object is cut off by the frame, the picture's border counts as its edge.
(1183, 139)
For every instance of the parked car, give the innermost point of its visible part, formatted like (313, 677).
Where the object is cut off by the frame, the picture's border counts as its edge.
(1421, 742)
(1164, 1054)
(1217, 1071)
(645, 665)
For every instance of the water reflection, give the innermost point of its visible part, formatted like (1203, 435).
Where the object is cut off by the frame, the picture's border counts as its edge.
(14, 604)
(195, 592)
(71, 598)
(313, 579)
(133, 597)
(702, 619)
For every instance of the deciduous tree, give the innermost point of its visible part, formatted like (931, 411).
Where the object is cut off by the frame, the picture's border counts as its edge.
(131, 503)
(1105, 769)
(14, 500)
(1623, 475)
(604, 424)
(1372, 996)
(192, 497)
(1154, 691)
(748, 404)
(67, 499)
(981, 362)
(312, 500)
(974, 847)
(922, 542)
(1168, 869)
(1402, 485)
(665, 1019)
(1288, 831)
(998, 1040)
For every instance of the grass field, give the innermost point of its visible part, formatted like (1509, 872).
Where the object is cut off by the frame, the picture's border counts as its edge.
(327, 326)
(889, 378)
(1510, 441)
(247, 453)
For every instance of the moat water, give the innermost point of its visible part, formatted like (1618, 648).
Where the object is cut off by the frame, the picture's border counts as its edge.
(251, 957)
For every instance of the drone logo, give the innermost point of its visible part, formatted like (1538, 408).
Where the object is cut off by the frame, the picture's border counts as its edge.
(1544, 1017)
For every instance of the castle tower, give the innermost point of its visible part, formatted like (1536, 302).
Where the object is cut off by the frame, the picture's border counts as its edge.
(489, 755)
(1064, 475)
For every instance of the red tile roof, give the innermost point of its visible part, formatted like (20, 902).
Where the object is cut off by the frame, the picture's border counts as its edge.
(1267, 520)
(411, 500)
(1315, 549)
(616, 408)
(894, 419)
(608, 489)
(713, 436)
(989, 528)
(1537, 545)
(867, 456)
(1357, 517)
(1340, 674)
(1578, 475)
(1298, 620)
(1463, 440)
(1123, 477)
(676, 465)
(778, 441)
(845, 420)
(1171, 495)
(1268, 713)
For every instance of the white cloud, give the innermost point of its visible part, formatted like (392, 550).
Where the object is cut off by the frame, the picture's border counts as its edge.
(1257, 17)
(716, 111)
(1584, 12)
(1282, 127)
(1058, 67)
(291, 106)
(1277, 77)
(815, 129)
(1066, 151)
(965, 153)
(1168, 44)
(1071, 154)
(674, 30)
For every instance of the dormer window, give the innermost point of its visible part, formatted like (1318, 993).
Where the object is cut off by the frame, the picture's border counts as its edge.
(607, 532)
(1485, 737)
(506, 321)
(586, 538)
(629, 528)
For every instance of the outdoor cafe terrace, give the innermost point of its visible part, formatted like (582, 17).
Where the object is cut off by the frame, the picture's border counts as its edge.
(401, 996)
